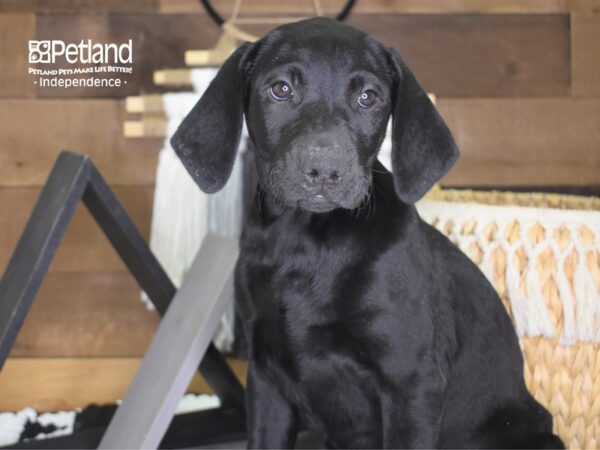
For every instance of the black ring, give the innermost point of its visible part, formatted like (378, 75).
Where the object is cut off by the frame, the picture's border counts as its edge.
(216, 17)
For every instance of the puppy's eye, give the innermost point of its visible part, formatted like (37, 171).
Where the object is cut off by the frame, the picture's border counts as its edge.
(281, 91)
(367, 99)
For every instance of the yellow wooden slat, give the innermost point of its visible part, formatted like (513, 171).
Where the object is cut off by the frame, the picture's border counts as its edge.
(147, 127)
(144, 104)
(53, 384)
(173, 77)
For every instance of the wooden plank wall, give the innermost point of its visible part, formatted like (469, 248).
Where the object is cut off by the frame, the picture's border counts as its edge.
(518, 81)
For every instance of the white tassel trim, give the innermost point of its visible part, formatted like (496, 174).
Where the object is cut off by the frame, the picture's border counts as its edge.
(580, 297)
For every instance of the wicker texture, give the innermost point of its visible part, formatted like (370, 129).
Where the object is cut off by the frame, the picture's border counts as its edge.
(544, 261)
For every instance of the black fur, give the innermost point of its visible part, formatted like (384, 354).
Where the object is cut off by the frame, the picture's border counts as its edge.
(365, 324)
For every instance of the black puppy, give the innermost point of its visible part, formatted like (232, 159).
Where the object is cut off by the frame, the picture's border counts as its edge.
(365, 323)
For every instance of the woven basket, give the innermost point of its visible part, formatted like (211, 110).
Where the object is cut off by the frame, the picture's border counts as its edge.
(542, 253)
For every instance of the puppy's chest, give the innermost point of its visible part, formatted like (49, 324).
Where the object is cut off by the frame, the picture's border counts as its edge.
(306, 311)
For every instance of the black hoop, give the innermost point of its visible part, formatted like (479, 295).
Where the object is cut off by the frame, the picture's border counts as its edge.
(218, 19)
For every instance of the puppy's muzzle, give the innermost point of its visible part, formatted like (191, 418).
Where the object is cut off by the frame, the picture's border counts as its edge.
(326, 174)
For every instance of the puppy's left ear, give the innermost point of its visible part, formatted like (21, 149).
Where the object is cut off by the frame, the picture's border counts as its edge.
(423, 148)
(208, 138)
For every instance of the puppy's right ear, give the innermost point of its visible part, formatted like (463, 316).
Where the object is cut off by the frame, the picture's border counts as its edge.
(208, 138)
(423, 148)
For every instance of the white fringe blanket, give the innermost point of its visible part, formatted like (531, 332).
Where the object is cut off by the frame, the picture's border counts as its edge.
(566, 234)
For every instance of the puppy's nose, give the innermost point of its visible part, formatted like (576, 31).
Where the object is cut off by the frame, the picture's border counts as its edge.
(323, 171)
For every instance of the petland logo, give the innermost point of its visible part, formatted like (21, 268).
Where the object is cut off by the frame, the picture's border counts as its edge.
(56, 64)
(86, 52)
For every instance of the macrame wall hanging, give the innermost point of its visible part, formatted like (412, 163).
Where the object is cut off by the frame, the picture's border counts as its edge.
(181, 213)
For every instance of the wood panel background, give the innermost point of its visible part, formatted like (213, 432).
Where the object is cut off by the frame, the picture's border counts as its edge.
(518, 82)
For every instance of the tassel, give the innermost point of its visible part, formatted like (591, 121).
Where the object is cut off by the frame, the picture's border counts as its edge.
(538, 317)
(224, 210)
(588, 301)
(486, 265)
(179, 217)
(182, 214)
(569, 334)
(178, 203)
(518, 302)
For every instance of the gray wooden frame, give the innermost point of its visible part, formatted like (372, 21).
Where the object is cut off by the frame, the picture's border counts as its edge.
(74, 178)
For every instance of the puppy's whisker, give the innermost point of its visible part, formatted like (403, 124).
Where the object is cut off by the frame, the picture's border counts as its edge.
(370, 204)
(373, 199)
(382, 192)
(260, 198)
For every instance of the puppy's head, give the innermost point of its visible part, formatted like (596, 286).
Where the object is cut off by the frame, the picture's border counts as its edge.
(317, 96)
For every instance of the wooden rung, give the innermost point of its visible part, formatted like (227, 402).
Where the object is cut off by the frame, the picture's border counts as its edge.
(173, 77)
(144, 104)
(153, 127)
(215, 56)
(212, 58)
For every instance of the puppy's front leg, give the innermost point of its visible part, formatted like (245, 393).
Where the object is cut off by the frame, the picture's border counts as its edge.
(272, 420)
(411, 417)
